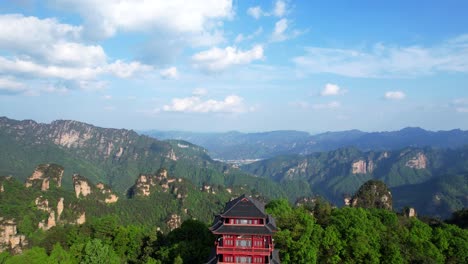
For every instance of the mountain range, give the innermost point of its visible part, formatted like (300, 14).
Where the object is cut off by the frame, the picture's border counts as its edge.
(240, 146)
(435, 181)
(113, 156)
(432, 178)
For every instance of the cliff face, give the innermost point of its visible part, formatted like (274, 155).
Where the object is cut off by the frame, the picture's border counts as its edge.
(417, 162)
(145, 185)
(44, 175)
(84, 188)
(93, 151)
(10, 240)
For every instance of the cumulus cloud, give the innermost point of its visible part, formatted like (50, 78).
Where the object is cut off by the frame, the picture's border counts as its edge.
(279, 31)
(331, 89)
(387, 61)
(255, 11)
(280, 8)
(330, 105)
(169, 73)
(108, 17)
(9, 86)
(36, 49)
(194, 104)
(217, 60)
(395, 95)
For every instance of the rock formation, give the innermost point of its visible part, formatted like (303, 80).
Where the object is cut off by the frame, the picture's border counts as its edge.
(81, 185)
(418, 162)
(44, 175)
(10, 240)
(372, 194)
(174, 222)
(146, 183)
(409, 212)
(54, 214)
(359, 167)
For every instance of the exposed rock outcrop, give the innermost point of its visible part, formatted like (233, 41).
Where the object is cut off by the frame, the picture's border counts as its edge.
(59, 208)
(109, 196)
(81, 185)
(10, 240)
(418, 162)
(81, 219)
(43, 205)
(44, 175)
(146, 183)
(359, 167)
(174, 222)
(409, 212)
(372, 194)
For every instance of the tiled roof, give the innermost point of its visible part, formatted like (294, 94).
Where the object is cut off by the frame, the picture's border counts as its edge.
(244, 230)
(244, 207)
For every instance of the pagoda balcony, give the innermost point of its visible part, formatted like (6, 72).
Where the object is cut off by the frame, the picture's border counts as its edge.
(241, 262)
(244, 250)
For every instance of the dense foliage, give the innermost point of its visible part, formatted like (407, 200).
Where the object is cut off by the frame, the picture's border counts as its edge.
(358, 235)
(307, 234)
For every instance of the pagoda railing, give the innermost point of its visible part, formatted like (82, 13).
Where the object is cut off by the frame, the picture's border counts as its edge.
(251, 250)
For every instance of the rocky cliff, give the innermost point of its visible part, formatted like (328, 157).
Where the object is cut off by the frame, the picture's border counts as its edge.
(44, 176)
(146, 184)
(84, 188)
(10, 240)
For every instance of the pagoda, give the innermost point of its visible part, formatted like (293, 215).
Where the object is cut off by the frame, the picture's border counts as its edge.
(244, 233)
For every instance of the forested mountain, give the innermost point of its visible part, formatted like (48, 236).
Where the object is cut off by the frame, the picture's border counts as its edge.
(418, 175)
(241, 146)
(116, 156)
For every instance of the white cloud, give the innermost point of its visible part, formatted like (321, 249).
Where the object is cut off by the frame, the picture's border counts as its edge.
(216, 59)
(194, 104)
(169, 73)
(280, 8)
(256, 12)
(36, 49)
(330, 105)
(387, 61)
(462, 109)
(240, 37)
(395, 95)
(279, 31)
(107, 97)
(10, 86)
(108, 17)
(331, 89)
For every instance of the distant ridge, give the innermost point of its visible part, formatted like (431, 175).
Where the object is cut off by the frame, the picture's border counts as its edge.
(235, 145)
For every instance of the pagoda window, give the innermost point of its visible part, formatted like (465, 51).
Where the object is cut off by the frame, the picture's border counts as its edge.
(242, 221)
(228, 258)
(244, 242)
(243, 259)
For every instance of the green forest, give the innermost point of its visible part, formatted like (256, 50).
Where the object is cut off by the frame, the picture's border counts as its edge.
(307, 234)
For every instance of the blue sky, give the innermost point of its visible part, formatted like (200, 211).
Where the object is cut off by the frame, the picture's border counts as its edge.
(225, 65)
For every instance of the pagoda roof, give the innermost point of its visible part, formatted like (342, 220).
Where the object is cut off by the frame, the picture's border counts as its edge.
(245, 230)
(244, 206)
